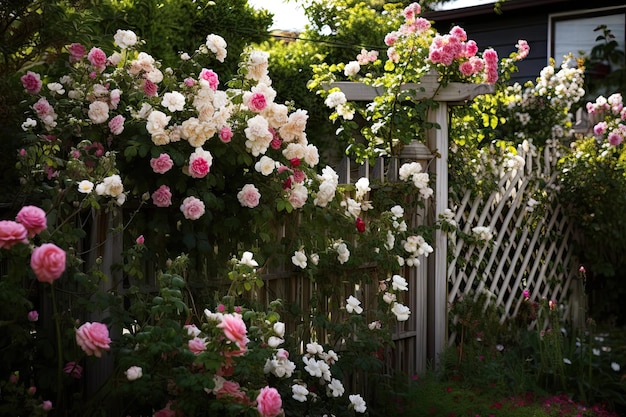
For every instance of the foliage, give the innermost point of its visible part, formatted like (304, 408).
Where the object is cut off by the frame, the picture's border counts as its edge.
(534, 351)
(592, 187)
(174, 26)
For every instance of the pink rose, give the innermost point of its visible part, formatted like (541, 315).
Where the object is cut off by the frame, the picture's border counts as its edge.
(140, 240)
(116, 124)
(33, 218)
(226, 134)
(211, 77)
(249, 196)
(269, 402)
(162, 164)
(199, 168)
(77, 52)
(12, 233)
(162, 197)
(197, 345)
(43, 108)
(200, 163)
(192, 208)
(97, 58)
(257, 102)
(31, 82)
(93, 338)
(114, 98)
(46, 405)
(234, 329)
(466, 68)
(48, 262)
(73, 369)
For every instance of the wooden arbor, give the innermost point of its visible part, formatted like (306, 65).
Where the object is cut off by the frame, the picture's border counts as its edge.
(429, 283)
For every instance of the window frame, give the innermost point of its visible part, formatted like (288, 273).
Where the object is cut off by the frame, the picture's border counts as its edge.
(554, 18)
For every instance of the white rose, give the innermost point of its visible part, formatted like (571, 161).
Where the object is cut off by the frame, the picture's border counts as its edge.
(133, 373)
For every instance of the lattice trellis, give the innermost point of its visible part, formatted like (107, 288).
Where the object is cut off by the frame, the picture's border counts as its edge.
(531, 245)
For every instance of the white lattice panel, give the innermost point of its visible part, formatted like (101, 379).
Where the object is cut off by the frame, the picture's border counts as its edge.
(530, 247)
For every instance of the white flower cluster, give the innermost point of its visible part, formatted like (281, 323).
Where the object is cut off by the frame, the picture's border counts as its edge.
(112, 186)
(337, 100)
(483, 233)
(354, 206)
(343, 253)
(328, 186)
(413, 171)
(416, 246)
(448, 217)
(280, 365)
(317, 364)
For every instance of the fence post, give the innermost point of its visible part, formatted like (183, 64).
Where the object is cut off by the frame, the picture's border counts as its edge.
(438, 276)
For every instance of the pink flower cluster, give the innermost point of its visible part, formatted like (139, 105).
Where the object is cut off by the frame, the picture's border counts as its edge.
(48, 260)
(614, 113)
(523, 49)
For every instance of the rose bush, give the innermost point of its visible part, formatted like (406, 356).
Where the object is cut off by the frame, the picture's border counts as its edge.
(202, 183)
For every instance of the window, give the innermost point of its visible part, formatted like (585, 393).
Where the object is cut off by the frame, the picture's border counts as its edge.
(574, 32)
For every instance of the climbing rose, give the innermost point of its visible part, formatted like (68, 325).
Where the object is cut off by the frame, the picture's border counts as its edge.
(234, 329)
(162, 164)
(48, 262)
(93, 338)
(249, 196)
(12, 233)
(162, 197)
(31, 82)
(33, 218)
(192, 208)
(269, 402)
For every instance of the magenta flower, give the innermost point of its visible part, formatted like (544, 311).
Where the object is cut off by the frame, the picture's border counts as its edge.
(116, 124)
(234, 329)
(73, 369)
(77, 52)
(33, 315)
(31, 82)
(211, 77)
(197, 345)
(269, 403)
(226, 134)
(97, 58)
